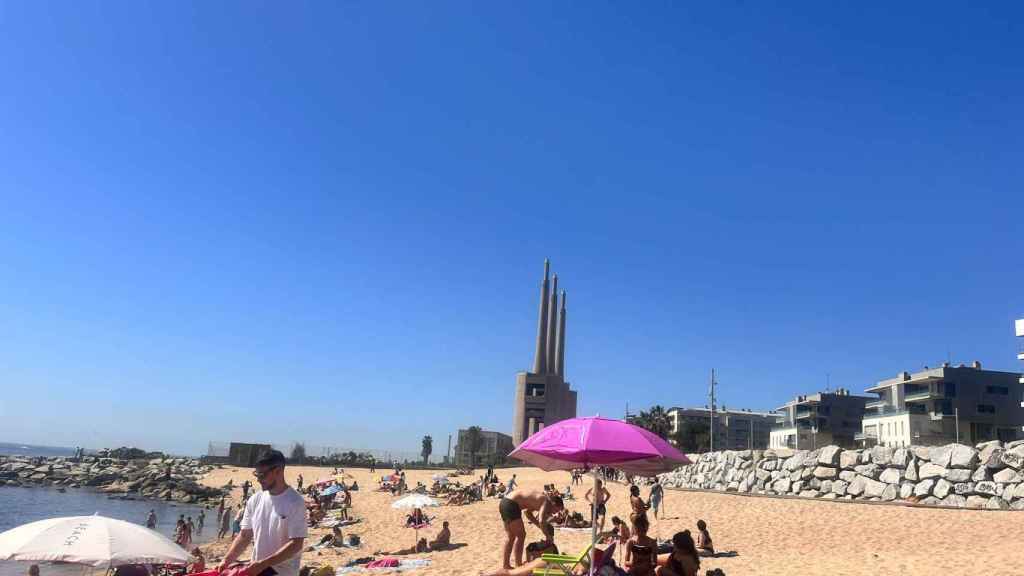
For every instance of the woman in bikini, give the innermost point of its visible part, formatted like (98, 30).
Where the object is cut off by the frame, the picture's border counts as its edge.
(512, 507)
(640, 550)
(637, 505)
(683, 560)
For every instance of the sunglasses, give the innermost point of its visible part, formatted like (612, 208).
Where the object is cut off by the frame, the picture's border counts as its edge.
(261, 475)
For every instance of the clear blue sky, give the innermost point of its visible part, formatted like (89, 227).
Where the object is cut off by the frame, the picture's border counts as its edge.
(326, 222)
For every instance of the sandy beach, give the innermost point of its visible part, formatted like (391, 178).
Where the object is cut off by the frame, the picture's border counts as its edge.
(769, 536)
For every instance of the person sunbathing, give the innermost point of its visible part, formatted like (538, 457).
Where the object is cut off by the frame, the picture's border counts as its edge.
(704, 545)
(420, 548)
(683, 560)
(545, 546)
(640, 550)
(537, 564)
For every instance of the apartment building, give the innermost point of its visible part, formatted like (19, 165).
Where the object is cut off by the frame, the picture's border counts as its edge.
(814, 420)
(946, 404)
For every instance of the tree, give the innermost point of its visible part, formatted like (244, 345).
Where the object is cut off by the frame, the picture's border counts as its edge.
(299, 452)
(655, 420)
(428, 448)
(474, 438)
(692, 437)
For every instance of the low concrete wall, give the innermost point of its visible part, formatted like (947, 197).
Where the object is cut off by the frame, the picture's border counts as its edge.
(989, 476)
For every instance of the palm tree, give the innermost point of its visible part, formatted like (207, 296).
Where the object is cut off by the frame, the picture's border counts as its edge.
(474, 438)
(655, 420)
(428, 448)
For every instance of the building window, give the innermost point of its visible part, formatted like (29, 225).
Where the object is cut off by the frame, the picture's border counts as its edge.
(986, 409)
(950, 388)
(1000, 390)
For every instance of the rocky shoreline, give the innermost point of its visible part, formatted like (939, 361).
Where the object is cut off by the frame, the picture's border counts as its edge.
(987, 476)
(119, 473)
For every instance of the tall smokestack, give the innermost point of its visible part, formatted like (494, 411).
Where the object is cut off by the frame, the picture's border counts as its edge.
(560, 348)
(552, 324)
(540, 357)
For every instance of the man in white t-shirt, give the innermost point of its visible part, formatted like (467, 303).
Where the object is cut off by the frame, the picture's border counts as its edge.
(274, 521)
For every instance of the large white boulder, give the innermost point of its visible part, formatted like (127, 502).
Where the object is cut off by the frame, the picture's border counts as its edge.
(941, 488)
(826, 472)
(930, 470)
(963, 457)
(829, 455)
(890, 476)
(881, 455)
(848, 459)
(924, 487)
(940, 455)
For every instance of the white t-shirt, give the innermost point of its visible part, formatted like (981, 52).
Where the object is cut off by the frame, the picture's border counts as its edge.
(274, 520)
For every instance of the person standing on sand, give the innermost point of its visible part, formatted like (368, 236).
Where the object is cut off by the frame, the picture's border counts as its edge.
(274, 522)
(657, 493)
(598, 503)
(151, 520)
(512, 507)
(225, 523)
(245, 490)
(201, 521)
(298, 483)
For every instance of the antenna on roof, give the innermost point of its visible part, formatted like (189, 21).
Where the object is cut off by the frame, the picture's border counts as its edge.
(828, 381)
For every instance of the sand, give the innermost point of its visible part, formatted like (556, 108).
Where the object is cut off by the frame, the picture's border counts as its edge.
(769, 536)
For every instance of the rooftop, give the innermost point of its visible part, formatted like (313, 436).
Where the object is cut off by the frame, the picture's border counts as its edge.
(931, 375)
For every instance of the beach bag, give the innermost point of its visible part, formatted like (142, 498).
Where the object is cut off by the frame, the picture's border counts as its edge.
(353, 540)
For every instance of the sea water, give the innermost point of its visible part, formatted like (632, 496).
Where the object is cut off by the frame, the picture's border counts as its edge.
(19, 505)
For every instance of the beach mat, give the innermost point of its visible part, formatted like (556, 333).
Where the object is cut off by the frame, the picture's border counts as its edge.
(403, 566)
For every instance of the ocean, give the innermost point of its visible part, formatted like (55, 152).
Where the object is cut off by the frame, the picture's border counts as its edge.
(22, 505)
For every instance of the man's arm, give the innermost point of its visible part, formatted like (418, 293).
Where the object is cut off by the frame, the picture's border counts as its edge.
(607, 495)
(531, 517)
(291, 548)
(238, 546)
(587, 496)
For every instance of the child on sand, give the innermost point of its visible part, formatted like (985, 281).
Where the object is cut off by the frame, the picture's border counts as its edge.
(704, 545)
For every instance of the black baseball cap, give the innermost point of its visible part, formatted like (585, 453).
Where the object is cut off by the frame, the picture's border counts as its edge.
(271, 458)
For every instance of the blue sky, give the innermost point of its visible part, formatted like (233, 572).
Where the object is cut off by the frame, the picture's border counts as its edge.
(326, 222)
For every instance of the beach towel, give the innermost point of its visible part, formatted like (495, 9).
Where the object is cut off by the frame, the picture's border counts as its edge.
(403, 565)
(568, 529)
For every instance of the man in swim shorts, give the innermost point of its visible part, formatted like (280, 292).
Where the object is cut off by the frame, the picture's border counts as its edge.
(512, 508)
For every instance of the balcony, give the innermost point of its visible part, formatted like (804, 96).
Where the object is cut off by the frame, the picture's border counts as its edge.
(861, 436)
(805, 413)
(880, 403)
(921, 395)
(886, 411)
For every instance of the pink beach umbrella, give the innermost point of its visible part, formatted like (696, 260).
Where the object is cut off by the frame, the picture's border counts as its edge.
(595, 441)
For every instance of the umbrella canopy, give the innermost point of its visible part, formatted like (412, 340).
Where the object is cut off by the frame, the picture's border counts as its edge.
(596, 441)
(334, 489)
(415, 501)
(96, 541)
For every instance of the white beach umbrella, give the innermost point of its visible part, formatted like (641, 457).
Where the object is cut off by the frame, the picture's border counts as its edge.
(415, 501)
(96, 541)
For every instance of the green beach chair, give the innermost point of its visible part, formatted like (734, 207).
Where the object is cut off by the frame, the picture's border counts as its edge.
(561, 564)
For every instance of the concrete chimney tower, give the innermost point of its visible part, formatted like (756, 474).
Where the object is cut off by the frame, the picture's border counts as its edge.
(540, 358)
(542, 396)
(552, 325)
(560, 348)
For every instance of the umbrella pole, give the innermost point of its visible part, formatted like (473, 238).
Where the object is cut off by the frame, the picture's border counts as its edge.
(593, 526)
